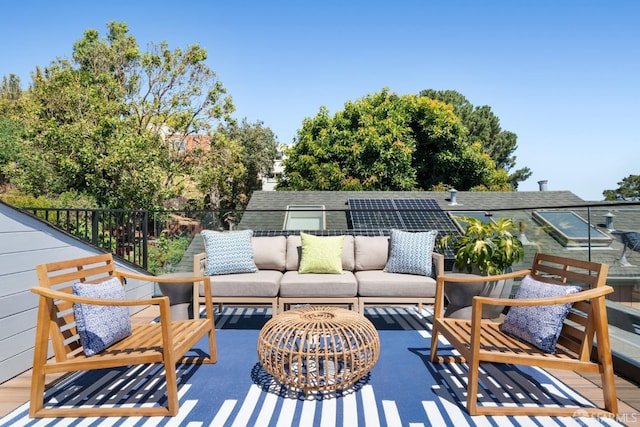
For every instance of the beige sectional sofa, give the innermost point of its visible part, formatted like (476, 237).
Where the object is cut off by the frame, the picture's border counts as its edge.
(278, 283)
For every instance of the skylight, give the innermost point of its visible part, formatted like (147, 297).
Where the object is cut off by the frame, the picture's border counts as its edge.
(304, 217)
(570, 229)
(457, 216)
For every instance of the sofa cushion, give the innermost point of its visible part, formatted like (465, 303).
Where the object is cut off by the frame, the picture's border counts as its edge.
(228, 252)
(378, 283)
(294, 284)
(294, 250)
(270, 253)
(348, 253)
(100, 326)
(538, 325)
(371, 253)
(262, 283)
(411, 253)
(321, 254)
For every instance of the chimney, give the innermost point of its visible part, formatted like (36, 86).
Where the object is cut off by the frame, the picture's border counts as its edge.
(543, 185)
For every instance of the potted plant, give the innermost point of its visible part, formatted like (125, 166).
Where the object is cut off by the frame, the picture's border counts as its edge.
(485, 249)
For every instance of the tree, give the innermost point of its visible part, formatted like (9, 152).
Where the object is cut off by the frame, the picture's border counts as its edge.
(10, 89)
(10, 147)
(240, 155)
(220, 171)
(628, 189)
(99, 123)
(386, 141)
(484, 128)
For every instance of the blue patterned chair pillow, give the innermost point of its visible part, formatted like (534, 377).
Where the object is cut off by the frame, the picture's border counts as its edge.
(411, 253)
(99, 326)
(228, 252)
(539, 325)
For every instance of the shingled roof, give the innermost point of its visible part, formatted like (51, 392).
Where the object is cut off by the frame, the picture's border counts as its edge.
(267, 209)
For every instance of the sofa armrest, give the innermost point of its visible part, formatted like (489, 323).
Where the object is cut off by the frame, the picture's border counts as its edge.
(199, 264)
(438, 264)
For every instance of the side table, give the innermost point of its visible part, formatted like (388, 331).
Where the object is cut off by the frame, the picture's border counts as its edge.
(318, 348)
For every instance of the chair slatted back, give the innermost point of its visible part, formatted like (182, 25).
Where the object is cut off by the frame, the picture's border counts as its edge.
(60, 276)
(578, 331)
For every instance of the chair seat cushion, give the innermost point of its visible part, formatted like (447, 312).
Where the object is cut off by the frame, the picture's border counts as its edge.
(538, 325)
(100, 326)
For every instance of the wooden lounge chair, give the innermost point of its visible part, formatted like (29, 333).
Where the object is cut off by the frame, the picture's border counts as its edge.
(163, 342)
(483, 341)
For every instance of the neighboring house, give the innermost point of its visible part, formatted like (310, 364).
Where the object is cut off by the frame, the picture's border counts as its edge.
(182, 144)
(25, 241)
(269, 181)
(273, 212)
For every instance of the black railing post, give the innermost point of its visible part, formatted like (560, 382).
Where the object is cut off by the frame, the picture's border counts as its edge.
(95, 221)
(589, 230)
(145, 239)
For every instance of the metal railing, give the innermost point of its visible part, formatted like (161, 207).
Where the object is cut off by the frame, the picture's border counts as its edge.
(122, 232)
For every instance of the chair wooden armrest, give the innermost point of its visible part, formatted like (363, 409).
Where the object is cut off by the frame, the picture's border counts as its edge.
(482, 341)
(66, 296)
(158, 279)
(165, 342)
(586, 295)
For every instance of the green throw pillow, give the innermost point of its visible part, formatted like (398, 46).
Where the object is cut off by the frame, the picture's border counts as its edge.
(321, 254)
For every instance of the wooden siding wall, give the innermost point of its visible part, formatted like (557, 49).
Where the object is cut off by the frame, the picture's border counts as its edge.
(24, 243)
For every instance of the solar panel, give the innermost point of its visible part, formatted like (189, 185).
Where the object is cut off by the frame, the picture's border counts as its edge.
(405, 214)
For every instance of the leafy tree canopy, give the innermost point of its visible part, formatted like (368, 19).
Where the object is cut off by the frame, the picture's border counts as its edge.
(484, 128)
(231, 171)
(102, 124)
(387, 141)
(628, 189)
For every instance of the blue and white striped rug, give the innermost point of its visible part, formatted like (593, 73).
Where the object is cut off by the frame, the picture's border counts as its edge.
(403, 389)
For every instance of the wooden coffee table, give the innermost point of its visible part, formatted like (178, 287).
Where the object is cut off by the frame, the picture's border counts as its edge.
(318, 348)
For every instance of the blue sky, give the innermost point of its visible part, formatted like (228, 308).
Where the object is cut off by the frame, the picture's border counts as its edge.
(563, 75)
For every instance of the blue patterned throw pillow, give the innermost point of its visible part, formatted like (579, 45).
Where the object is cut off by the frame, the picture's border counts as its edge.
(539, 325)
(228, 252)
(411, 253)
(99, 326)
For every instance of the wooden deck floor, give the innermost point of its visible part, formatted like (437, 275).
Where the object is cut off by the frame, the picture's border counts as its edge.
(15, 392)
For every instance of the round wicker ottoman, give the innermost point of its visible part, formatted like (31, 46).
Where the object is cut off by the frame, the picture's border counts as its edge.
(318, 348)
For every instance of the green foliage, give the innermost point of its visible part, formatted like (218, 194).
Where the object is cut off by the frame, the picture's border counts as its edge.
(74, 199)
(22, 200)
(385, 142)
(489, 246)
(166, 252)
(99, 124)
(10, 147)
(10, 89)
(69, 199)
(484, 128)
(230, 171)
(628, 189)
